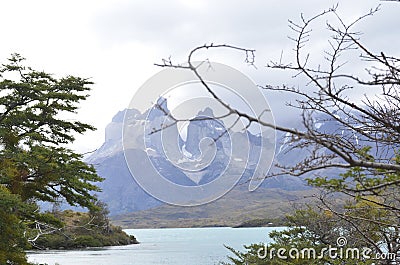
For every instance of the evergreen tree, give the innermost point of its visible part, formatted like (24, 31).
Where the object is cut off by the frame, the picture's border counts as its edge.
(35, 164)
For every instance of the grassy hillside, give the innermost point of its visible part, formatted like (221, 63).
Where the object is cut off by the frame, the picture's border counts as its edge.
(237, 208)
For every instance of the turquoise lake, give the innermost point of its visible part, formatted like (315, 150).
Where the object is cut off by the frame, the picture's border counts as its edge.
(167, 246)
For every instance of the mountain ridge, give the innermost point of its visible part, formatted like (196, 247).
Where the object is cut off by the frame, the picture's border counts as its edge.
(124, 195)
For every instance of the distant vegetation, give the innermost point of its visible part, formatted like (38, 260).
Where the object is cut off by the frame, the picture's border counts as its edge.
(262, 222)
(81, 230)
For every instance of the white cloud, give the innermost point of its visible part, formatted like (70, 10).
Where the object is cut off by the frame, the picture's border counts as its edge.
(116, 43)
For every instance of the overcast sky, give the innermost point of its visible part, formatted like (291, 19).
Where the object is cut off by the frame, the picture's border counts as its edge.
(116, 43)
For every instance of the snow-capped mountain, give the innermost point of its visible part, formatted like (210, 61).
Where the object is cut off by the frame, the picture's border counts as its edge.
(177, 158)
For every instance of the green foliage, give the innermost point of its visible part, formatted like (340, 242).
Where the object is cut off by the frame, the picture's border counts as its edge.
(99, 216)
(307, 229)
(358, 181)
(34, 162)
(12, 241)
(82, 230)
(87, 241)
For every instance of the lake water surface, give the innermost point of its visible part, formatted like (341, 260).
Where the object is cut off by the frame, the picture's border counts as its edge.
(175, 246)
